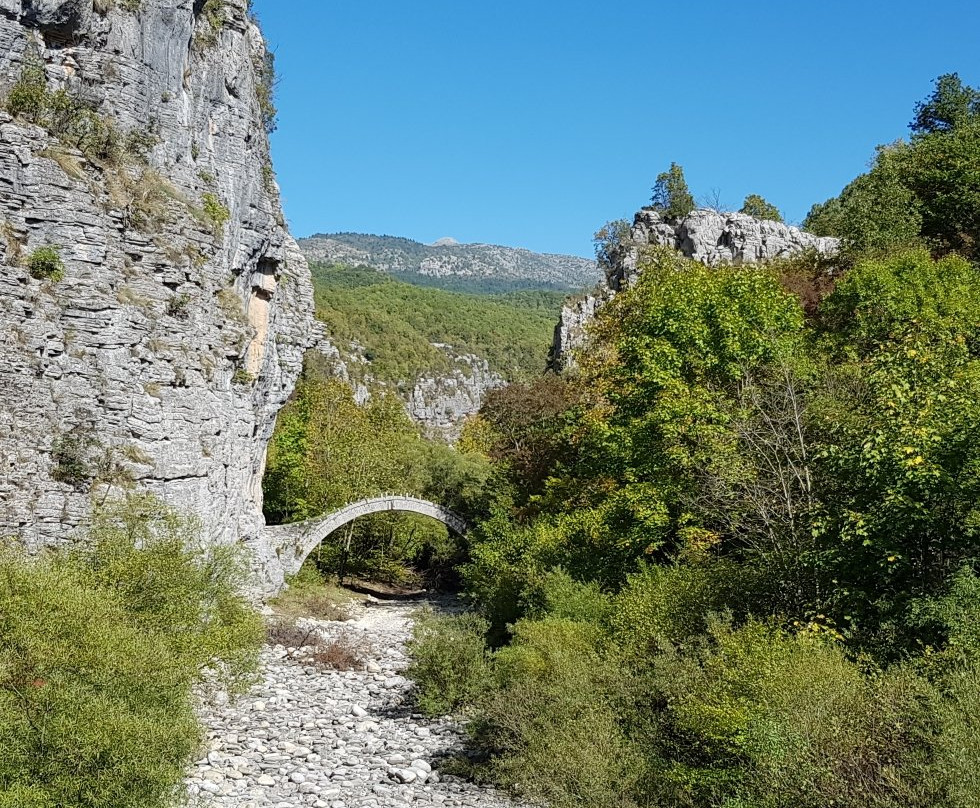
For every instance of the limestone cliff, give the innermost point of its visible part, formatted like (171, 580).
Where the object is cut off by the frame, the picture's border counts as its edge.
(705, 235)
(158, 349)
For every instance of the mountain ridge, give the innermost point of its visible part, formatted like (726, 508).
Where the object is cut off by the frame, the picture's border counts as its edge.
(446, 264)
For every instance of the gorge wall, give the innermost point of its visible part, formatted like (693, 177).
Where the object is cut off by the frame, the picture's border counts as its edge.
(162, 356)
(708, 236)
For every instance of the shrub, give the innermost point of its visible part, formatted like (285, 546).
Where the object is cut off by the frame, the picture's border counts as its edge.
(72, 455)
(177, 306)
(289, 634)
(45, 264)
(265, 88)
(957, 747)
(308, 594)
(99, 650)
(449, 661)
(661, 606)
(215, 213)
(28, 98)
(550, 728)
(760, 717)
(559, 595)
(174, 584)
(94, 710)
(345, 653)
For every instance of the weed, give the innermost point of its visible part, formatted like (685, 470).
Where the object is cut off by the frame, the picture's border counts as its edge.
(14, 245)
(71, 452)
(289, 634)
(45, 264)
(345, 653)
(231, 305)
(66, 161)
(177, 306)
(214, 213)
(243, 377)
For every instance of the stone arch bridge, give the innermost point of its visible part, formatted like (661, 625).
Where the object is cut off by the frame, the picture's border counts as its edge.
(294, 542)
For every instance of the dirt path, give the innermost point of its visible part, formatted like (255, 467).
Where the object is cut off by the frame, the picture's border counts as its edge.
(313, 736)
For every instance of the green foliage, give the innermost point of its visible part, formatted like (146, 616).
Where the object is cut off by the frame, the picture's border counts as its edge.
(550, 725)
(397, 323)
(72, 453)
(215, 213)
(925, 190)
(66, 116)
(99, 651)
(449, 661)
(45, 264)
(958, 741)
(951, 105)
(760, 208)
(265, 90)
(742, 543)
(211, 19)
(329, 451)
(671, 196)
(28, 98)
(775, 719)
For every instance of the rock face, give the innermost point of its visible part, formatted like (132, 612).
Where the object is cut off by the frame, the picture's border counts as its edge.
(707, 236)
(449, 260)
(163, 355)
(442, 403)
(439, 403)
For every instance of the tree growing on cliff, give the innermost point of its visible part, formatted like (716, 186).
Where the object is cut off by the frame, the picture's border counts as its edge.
(671, 196)
(760, 208)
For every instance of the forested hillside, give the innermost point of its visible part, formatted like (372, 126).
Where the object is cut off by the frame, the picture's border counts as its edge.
(399, 326)
(732, 559)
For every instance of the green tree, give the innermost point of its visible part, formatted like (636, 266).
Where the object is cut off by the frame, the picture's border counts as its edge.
(923, 191)
(951, 104)
(760, 208)
(671, 196)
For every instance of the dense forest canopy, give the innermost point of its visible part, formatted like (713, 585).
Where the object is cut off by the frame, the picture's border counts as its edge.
(399, 325)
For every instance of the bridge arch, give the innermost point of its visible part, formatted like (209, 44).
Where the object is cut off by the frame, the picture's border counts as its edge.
(296, 541)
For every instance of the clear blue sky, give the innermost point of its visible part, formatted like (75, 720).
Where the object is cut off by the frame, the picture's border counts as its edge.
(531, 123)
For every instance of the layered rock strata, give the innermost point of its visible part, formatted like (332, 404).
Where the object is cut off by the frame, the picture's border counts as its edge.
(159, 354)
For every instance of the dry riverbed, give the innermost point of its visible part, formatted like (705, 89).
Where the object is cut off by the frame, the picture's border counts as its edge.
(309, 735)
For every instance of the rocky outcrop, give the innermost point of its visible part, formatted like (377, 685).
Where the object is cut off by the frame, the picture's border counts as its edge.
(438, 402)
(162, 356)
(441, 403)
(705, 235)
(450, 261)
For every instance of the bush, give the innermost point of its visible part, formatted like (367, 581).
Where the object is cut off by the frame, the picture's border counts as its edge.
(45, 264)
(28, 98)
(550, 728)
(215, 213)
(957, 747)
(99, 651)
(449, 661)
(94, 710)
(760, 717)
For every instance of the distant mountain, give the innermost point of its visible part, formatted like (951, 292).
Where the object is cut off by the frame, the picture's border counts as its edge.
(450, 265)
